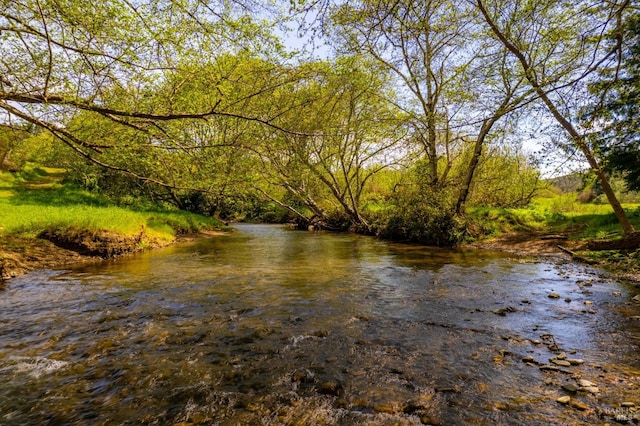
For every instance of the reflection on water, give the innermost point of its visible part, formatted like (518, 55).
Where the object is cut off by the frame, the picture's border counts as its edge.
(272, 326)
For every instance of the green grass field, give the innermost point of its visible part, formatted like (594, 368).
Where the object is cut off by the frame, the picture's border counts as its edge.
(37, 200)
(559, 213)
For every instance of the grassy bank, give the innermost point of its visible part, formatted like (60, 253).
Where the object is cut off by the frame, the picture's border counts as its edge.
(39, 213)
(573, 222)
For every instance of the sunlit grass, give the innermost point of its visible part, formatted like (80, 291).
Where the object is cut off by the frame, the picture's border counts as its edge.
(559, 213)
(27, 211)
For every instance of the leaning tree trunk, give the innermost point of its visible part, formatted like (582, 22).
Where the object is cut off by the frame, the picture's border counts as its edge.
(577, 138)
(473, 164)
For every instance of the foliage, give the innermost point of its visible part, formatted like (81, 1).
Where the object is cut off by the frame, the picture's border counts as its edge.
(614, 114)
(421, 219)
(196, 106)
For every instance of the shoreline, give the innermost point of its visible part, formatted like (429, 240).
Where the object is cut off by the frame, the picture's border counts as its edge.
(19, 256)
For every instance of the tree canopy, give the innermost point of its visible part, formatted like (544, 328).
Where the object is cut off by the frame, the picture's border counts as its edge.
(412, 111)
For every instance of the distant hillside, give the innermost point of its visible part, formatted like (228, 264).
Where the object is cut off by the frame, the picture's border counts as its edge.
(568, 183)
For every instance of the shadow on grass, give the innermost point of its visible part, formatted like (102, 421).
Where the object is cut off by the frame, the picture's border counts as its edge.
(40, 187)
(63, 196)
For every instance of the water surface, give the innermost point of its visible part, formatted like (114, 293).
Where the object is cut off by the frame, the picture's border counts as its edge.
(268, 325)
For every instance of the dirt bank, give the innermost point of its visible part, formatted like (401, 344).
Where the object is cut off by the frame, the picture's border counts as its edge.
(52, 250)
(559, 246)
(21, 255)
(532, 244)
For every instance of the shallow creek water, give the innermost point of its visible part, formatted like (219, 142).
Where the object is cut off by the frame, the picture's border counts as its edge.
(268, 325)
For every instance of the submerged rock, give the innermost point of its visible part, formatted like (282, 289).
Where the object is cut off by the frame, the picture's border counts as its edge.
(330, 387)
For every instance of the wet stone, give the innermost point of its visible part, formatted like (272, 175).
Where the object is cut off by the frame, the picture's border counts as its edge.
(578, 405)
(570, 388)
(564, 399)
(384, 408)
(560, 362)
(549, 367)
(447, 389)
(591, 389)
(503, 311)
(583, 383)
(554, 295)
(413, 406)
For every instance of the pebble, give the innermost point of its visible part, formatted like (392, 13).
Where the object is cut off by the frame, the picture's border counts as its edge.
(636, 298)
(588, 302)
(568, 300)
(583, 383)
(562, 355)
(575, 361)
(579, 405)
(383, 408)
(555, 295)
(549, 367)
(627, 404)
(564, 399)
(560, 362)
(570, 388)
(617, 293)
(591, 389)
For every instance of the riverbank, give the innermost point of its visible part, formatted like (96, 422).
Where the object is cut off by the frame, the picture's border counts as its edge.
(47, 223)
(20, 255)
(624, 264)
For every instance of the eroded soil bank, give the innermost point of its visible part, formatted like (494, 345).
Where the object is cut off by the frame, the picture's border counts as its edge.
(50, 250)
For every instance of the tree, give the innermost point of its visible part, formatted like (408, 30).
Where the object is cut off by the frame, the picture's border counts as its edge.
(548, 41)
(422, 44)
(346, 134)
(455, 82)
(67, 65)
(614, 114)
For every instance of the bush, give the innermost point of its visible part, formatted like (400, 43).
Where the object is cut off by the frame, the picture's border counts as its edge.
(422, 218)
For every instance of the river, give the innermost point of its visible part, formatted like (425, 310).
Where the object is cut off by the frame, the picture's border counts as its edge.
(268, 325)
